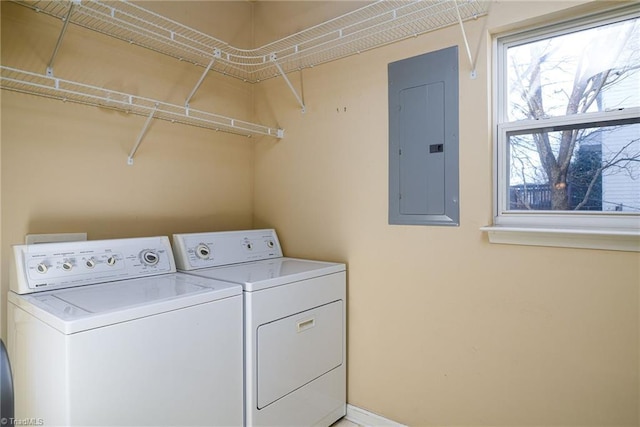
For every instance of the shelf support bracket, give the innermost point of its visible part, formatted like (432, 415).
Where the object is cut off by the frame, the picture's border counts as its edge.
(144, 130)
(216, 54)
(273, 59)
(59, 42)
(466, 42)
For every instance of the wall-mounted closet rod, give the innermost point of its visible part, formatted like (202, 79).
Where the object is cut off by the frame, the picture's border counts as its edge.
(60, 37)
(286, 79)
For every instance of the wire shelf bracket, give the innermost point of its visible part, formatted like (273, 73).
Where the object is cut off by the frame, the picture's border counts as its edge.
(217, 53)
(142, 132)
(273, 58)
(466, 42)
(472, 61)
(66, 21)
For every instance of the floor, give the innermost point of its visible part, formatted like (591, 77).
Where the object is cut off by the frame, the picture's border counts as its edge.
(343, 422)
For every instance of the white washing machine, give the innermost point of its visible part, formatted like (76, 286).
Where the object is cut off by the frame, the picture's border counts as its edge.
(106, 333)
(294, 325)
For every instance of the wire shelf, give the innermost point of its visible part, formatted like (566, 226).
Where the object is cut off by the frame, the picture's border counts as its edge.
(65, 90)
(380, 23)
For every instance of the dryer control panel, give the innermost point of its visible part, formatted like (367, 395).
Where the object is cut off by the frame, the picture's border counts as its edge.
(203, 250)
(47, 266)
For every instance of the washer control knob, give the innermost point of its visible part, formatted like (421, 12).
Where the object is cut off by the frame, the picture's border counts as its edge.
(111, 260)
(67, 266)
(270, 244)
(249, 246)
(150, 257)
(203, 251)
(90, 263)
(42, 268)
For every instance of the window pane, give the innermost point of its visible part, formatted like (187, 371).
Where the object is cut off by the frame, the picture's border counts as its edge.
(575, 168)
(596, 69)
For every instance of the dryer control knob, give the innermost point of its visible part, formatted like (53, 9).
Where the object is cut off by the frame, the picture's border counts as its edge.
(203, 251)
(149, 257)
(42, 268)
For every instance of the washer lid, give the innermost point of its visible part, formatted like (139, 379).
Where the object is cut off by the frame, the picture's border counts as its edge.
(257, 275)
(88, 307)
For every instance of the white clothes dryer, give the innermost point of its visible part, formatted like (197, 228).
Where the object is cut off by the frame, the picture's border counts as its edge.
(294, 327)
(106, 333)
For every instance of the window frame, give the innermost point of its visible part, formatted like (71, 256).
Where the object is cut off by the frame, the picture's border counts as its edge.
(584, 229)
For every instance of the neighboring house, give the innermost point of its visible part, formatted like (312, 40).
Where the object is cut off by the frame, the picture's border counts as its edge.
(621, 186)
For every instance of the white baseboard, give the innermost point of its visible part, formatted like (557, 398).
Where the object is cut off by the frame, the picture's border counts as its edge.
(368, 419)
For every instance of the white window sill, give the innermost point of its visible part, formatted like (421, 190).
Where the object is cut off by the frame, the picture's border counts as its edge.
(615, 240)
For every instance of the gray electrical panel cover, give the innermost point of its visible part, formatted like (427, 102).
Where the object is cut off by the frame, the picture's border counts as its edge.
(423, 139)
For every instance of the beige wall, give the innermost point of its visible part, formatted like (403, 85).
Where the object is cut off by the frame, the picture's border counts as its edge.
(275, 20)
(445, 328)
(227, 20)
(64, 166)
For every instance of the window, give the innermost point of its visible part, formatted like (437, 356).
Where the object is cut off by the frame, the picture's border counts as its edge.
(567, 115)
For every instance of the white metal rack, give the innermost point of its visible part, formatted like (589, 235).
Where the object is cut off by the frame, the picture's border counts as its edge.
(374, 25)
(65, 90)
(380, 23)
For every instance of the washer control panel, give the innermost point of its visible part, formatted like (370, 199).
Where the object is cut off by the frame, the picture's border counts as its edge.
(202, 250)
(47, 266)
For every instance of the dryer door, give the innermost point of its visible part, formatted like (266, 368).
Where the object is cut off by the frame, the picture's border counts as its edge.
(296, 350)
